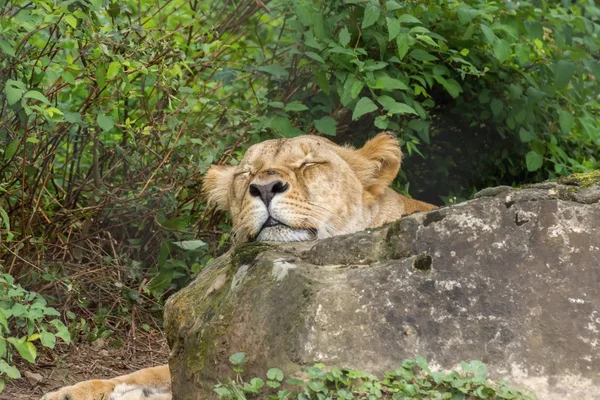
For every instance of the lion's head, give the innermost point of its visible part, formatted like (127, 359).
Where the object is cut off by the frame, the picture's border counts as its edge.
(304, 188)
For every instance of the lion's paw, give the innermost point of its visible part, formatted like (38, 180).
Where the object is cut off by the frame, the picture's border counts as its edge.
(88, 390)
(134, 392)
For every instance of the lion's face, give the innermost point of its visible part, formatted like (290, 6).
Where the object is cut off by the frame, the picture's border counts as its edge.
(303, 188)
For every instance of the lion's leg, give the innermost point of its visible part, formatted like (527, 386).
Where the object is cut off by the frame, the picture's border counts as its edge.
(147, 384)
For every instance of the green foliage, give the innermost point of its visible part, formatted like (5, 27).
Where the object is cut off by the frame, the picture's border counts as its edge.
(412, 380)
(518, 79)
(25, 320)
(109, 115)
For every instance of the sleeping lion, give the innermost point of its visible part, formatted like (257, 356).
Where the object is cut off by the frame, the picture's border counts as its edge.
(284, 190)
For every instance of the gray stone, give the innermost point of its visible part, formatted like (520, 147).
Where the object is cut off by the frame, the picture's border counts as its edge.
(511, 278)
(34, 377)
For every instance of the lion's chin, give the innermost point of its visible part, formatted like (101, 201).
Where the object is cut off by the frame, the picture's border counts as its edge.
(284, 233)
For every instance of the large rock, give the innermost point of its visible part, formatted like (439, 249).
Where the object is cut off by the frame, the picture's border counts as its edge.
(511, 278)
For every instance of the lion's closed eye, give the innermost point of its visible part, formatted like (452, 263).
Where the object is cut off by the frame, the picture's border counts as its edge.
(242, 174)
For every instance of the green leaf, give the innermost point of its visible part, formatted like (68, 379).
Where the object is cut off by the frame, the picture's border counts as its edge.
(71, 20)
(11, 149)
(364, 106)
(100, 75)
(6, 48)
(594, 68)
(190, 244)
(497, 106)
(468, 34)
(422, 55)
(257, 383)
(304, 12)
(222, 391)
(393, 26)
(10, 370)
(25, 349)
(523, 53)
(321, 79)
(395, 107)
(590, 126)
(61, 330)
(566, 121)
(490, 36)
(48, 339)
(344, 37)
(275, 374)
(356, 88)
(113, 69)
(294, 381)
(452, 87)
(326, 125)
(113, 9)
(480, 370)
(316, 386)
(13, 94)
(403, 43)
(276, 104)
(525, 135)
(105, 122)
(283, 125)
(274, 69)
(387, 83)
(563, 71)
(428, 40)
(392, 6)
(372, 13)
(534, 161)
(315, 56)
(68, 77)
(501, 50)
(422, 129)
(34, 94)
(466, 13)
(295, 106)
(238, 358)
(408, 19)
(535, 30)
(3, 320)
(381, 122)
(73, 117)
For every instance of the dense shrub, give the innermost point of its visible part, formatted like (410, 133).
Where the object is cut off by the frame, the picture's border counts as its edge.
(515, 83)
(110, 112)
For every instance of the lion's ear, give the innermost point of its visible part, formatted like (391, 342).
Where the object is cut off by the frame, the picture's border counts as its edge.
(217, 182)
(378, 162)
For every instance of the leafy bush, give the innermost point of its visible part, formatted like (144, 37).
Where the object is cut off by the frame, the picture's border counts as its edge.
(412, 380)
(25, 319)
(108, 119)
(518, 79)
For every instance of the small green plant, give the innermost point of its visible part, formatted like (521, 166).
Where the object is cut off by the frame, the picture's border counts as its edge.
(414, 379)
(24, 320)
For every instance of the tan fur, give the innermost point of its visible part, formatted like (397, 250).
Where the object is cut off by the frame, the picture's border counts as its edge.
(158, 378)
(346, 191)
(341, 190)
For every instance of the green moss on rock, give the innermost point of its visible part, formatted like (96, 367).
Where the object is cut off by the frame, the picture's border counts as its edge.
(582, 180)
(247, 252)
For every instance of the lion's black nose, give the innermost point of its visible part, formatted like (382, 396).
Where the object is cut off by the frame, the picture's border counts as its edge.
(268, 191)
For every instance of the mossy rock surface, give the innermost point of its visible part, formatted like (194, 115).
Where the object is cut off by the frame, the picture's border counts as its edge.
(510, 278)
